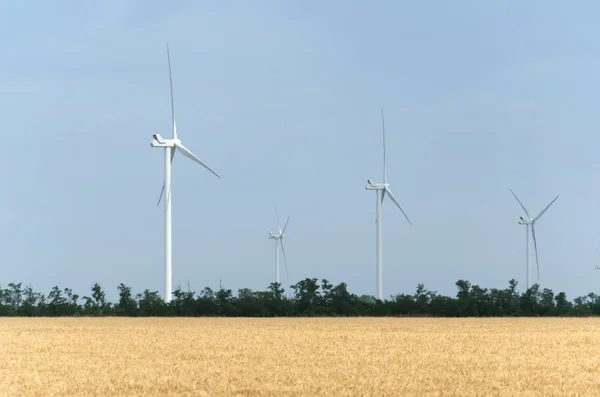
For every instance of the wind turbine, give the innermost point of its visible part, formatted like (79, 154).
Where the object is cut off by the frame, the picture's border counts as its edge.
(171, 146)
(530, 222)
(382, 189)
(279, 237)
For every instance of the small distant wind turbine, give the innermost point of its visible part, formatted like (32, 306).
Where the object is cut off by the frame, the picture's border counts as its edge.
(597, 259)
(530, 222)
(171, 146)
(382, 189)
(279, 237)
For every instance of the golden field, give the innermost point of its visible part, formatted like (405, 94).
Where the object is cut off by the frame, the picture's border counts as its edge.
(298, 357)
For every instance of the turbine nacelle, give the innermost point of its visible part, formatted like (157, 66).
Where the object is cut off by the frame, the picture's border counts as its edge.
(159, 141)
(375, 186)
(526, 221)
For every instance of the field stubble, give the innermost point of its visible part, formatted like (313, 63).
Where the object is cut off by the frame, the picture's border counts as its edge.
(299, 357)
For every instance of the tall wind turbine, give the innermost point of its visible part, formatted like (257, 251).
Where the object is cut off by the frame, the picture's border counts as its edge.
(171, 146)
(382, 189)
(279, 241)
(530, 223)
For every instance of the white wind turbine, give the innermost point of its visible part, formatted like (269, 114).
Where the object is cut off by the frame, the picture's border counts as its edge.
(530, 222)
(382, 189)
(171, 146)
(279, 241)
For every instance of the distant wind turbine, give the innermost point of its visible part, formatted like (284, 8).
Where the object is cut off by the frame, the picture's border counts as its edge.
(170, 146)
(279, 241)
(382, 189)
(530, 222)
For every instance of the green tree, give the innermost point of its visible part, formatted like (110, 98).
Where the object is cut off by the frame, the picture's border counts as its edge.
(530, 301)
(183, 303)
(14, 296)
(465, 304)
(31, 302)
(547, 304)
(225, 302)
(127, 304)
(57, 303)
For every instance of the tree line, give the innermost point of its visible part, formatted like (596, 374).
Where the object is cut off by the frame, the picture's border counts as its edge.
(308, 297)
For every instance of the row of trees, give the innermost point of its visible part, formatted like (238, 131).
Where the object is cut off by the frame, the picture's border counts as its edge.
(309, 298)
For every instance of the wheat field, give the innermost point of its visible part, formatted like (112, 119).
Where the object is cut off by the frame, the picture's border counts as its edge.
(298, 357)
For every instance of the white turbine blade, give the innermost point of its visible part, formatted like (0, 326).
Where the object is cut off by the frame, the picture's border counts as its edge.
(382, 195)
(522, 206)
(278, 222)
(163, 185)
(284, 259)
(545, 209)
(172, 100)
(161, 194)
(384, 169)
(535, 248)
(389, 192)
(285, 227)
(191, 156)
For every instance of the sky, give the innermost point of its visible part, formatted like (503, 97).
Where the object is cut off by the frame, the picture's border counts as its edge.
(283, 100)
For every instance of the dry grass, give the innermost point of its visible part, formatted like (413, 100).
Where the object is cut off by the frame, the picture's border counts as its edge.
(299, 357)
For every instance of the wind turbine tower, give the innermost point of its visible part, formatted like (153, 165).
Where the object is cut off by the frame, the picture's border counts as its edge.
(382, 189)
(530, 224)
(278, 238)
(170, 146)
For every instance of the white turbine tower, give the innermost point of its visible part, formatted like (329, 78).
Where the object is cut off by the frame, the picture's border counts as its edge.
(382, 189)
(530, 222)
(279, 241)
(171, 146)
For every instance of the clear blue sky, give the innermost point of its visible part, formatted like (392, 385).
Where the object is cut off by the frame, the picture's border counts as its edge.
(282, 99)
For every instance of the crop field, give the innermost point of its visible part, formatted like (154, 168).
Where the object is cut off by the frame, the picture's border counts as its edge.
(298, 357)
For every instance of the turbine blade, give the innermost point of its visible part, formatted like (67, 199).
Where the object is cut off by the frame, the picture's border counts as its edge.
(285, 227)
(384, 169)
(284, 258)
(191, 156)
(278, 222)
(161, 194)
(389, 192)
(163, 185)
(522, 206)
(535, 248)
(172, 100)
(545, 209)
(382, 196)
